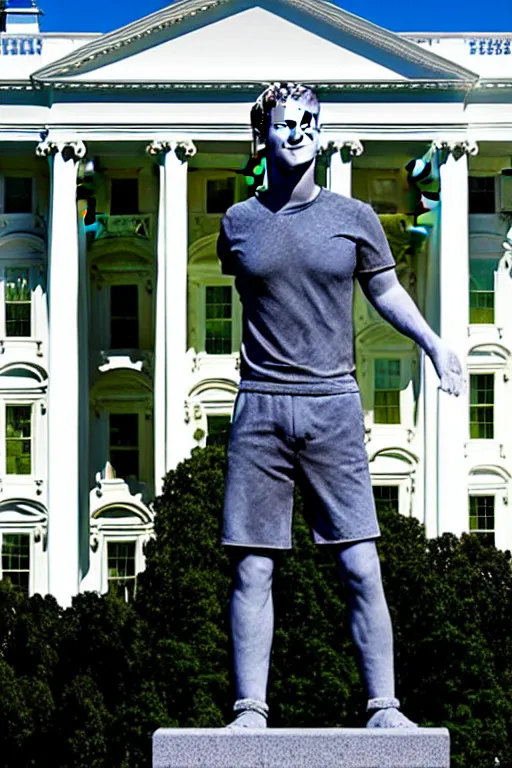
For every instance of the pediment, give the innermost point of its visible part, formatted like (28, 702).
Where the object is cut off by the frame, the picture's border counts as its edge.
(300, 40)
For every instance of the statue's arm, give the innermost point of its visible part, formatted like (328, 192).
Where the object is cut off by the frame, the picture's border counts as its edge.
(393, 303)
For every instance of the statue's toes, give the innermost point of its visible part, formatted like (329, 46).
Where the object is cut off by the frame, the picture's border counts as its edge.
(247, 719)
(390, 718)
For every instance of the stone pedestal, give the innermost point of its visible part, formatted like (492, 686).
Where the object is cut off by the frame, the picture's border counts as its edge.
(301, 748)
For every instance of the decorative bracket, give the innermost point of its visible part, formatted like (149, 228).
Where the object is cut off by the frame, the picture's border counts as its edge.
(456, 148)
(70, 150)
(349, 149)
(182, 149)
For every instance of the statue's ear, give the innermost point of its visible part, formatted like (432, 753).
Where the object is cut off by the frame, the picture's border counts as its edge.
(258, 142)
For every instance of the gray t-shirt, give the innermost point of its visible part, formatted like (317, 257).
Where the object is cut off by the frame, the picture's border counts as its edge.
(295, 274)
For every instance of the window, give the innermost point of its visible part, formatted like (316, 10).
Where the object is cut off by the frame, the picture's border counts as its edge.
(385, 496)
(481, 518)
(124, 317)
(17, 302)
(387, 392)
(124, 197)
(218, 430)
(383, 195)
(18, 439)
(219, 316)
(121, 568)
(17, 194)
(481, 406)
(220, 194)
(481, 289)
(481, 194)
(16, 559)
(124, 444)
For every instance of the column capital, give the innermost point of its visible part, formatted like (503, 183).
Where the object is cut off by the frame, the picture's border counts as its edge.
(182, 149)
(348, 148)
(456, 148)
(70, 150)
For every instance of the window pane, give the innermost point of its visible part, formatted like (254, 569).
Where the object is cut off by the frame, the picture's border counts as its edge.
(386, 496)
(218, 313)
(481, 406)
(387, 407)
(18, 194)
(383, 195)
(387, 392)
(481, 290)
(124, 196)
(124, 444)
(16, 559)
(481, 517)
(481, 194)
(17, 302)
(220, 194)
(387, 374)
(124, 317)
(218, 430)
(121, 568)
(18, 441)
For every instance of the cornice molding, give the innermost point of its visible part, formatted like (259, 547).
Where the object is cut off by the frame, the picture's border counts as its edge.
(325, 12)
(244, 86)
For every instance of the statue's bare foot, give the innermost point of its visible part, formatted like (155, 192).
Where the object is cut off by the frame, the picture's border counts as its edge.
(390, 718)
(248, 719)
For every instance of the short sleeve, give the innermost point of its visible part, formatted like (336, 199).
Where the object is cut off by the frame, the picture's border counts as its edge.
(373, 251)
(224, 249)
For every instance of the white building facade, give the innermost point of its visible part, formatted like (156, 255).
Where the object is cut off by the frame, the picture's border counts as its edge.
(119, 336)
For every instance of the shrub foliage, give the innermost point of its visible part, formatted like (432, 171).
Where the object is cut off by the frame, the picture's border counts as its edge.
(86, 687)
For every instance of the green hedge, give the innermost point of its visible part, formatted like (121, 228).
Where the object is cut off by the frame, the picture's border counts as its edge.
(86, 687)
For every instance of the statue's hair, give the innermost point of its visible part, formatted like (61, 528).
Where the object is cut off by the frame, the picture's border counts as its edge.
(275, 94)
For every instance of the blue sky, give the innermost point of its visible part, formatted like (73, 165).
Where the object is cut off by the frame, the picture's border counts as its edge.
(398, 15)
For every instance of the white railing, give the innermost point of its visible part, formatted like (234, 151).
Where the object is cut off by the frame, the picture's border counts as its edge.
(136, 225)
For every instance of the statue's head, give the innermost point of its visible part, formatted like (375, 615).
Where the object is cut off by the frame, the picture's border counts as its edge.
(285, 118)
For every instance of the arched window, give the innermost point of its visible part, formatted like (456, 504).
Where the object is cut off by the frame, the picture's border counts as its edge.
(210, 408)
(485, 252)
(119, 530)
(489, 516)
(393, 473)
(23, 532)
(214, 309)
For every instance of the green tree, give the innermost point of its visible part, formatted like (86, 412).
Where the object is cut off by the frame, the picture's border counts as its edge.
(184, 591)
(88, 686)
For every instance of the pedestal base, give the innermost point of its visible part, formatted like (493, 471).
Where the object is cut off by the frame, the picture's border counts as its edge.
(301, 748)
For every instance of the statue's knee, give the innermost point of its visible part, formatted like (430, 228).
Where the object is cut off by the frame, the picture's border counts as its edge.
(360, 568)
(255, 572)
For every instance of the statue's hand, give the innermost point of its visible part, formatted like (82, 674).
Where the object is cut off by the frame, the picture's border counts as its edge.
(449, 369)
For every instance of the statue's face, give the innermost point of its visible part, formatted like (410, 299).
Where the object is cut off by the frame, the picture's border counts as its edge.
(293, 138)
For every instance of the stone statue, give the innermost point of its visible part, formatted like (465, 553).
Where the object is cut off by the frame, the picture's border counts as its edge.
(295, 249)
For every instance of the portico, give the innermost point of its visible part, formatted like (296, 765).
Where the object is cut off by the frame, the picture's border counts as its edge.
(119, 349)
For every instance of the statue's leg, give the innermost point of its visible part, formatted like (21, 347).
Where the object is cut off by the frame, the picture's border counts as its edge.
(370, 622)
(252, 627)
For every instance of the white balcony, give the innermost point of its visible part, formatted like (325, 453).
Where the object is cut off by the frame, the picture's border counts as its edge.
(136, 225)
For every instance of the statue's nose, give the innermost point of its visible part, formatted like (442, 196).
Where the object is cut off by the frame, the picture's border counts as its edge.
(296, 135)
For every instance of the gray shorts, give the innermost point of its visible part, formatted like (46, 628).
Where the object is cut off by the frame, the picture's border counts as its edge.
(314, 440)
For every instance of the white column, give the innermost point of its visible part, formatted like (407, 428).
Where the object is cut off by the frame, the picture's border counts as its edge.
(453, 413)
(63, 390)
(339, 166)
(171, 306)
(429, 394)
(159, 150)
